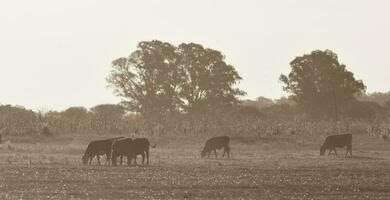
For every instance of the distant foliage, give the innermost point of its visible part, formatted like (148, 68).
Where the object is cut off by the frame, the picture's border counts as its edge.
(208, 81)
(320, 84)
(107, 117)
(377, 97)
(148, 79)
(73, 118)
(159, 79)
(259, 103)
(101, 119)
(17, 120)
(190, 90)
(365, 110)
(46, 131)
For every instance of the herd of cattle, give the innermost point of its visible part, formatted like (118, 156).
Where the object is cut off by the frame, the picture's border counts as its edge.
(120, 147)
(117, 147)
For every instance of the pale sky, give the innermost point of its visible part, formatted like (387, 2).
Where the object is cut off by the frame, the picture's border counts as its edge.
(57, 54)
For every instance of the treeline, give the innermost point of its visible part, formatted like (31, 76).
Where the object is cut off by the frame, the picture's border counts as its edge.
(191, 90)
(367, 108)
(101, 119)
(377, 97)
(159, 79)
(114, 119)
(258, 117)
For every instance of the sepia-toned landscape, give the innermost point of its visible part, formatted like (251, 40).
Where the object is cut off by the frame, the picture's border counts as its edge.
(195, 100)
(273, 167)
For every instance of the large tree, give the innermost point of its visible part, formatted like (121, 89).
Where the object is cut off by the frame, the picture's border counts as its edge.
(159, 78)
(320, 84)
(148, 79)
(209, 80)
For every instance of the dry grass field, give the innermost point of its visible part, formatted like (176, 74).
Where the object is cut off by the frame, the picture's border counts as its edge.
(274, 167)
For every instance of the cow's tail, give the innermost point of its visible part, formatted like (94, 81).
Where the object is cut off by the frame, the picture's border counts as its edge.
(152, 146)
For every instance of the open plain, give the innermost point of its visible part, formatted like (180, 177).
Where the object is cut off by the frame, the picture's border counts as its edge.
(273, 167)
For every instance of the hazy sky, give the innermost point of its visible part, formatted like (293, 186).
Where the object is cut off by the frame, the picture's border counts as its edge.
(56, 54)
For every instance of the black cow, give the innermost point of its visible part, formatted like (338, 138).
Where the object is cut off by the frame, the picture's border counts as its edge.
(121, 148)
(131, 148)
(215, 143)
(333, 141)
(97, 148)
(141, 147)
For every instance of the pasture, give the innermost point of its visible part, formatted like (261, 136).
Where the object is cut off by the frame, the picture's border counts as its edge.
(272, 167)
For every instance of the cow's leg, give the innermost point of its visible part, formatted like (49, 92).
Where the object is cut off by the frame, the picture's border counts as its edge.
(228, 151)
(121, 159)
(143, 157)
(90, 159)
(147, 156)
(128, 160)
(134, 157)
(349, 149)
(215, 152)
(335, 152)
(330, 151)
(224, 151)
(108, 158)
(98, 158)
(113, 159)
(114, 156)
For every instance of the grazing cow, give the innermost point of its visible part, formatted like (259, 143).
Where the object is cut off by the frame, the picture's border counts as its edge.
(131, 148)
(215, 143)
(97, 148)
(141, 147)
(333, 141)
(121, 148)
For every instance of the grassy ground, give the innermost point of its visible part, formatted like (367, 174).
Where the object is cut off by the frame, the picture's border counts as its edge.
(277, 167)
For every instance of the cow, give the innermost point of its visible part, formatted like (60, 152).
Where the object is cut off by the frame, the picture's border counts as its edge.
(121, 148)
(333, 141)
(97, 148)
(141, 147)
(131, 148)
(215, 143)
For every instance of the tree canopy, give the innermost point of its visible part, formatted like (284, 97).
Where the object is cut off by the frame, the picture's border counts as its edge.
(108, 111)
(208, 80)
(158, 78)
(148, 79)
(320, 84)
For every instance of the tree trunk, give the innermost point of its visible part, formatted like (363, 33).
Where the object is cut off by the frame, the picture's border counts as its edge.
(335, 105)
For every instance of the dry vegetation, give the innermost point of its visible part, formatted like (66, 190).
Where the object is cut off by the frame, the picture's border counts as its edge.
(268, 167)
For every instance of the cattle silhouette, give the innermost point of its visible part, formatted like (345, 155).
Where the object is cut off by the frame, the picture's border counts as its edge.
(97, 148)
(131, 149)
(215, 143)
(339, 141)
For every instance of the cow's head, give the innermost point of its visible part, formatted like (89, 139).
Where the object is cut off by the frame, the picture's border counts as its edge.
(203, 153)
(322, 150)
(84, 159)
